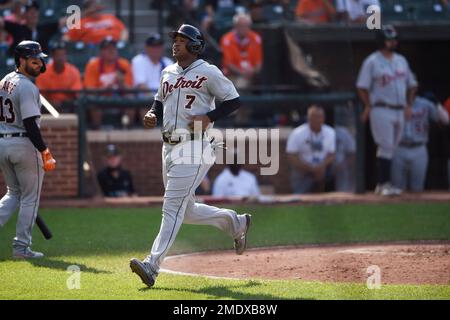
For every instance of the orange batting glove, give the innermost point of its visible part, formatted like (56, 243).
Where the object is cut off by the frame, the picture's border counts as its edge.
(49, 162)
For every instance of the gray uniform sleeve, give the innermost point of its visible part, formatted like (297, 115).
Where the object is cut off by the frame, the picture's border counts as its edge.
(365, 75)
(220, 86)
(29, 101)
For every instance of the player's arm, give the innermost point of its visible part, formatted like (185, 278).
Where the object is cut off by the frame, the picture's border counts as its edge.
(223, 110)
(152, 116)
(34, 134)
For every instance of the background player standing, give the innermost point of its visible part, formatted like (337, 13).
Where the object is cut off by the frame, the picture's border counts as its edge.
(387, 88)
(186, 97)
(23, 154)
(410, 162)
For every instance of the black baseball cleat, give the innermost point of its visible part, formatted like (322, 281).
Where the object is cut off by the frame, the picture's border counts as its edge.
(241, 243)
(143, 272)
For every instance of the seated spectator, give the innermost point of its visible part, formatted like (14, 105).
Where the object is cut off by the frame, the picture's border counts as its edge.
(410, 161)
(108, 71)
(32, 29)
(95, 25)
(354, 11)
(234, 181)
(242, 52)
(147, 66)
(113, 179)
(60, 75)
(315, 11)
(311, 151)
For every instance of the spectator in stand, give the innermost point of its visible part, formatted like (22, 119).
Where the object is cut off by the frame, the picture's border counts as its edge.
(235, 181)
(95, 25)
(242, 52)
(108, 71)
(113, 179)
(315, 11)
(354, 11)
(17, 15)
(311, 151)
(60, 75)
(446, 4)
(147, 67)
(32, 29)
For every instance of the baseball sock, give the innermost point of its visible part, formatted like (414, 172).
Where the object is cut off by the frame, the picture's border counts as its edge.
(384, 170)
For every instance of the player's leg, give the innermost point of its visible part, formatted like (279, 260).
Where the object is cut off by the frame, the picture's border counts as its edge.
(399, 168)
(419, 164)
(10, 201)
(226, 220)
(30, 174)
(383, 124)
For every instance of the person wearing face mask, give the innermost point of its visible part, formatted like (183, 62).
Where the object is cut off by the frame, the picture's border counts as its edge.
(387, 87)
(235, 181)
(311, 151)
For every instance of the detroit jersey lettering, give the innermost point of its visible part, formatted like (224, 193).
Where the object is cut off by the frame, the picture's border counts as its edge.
(191, 91)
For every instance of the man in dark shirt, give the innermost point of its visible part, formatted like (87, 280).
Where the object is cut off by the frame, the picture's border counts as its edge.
(113, 180)
(32, 29)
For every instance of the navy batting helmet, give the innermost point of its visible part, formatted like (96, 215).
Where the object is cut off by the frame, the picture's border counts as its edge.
(29, 49)
(196, 43)
(387, 32)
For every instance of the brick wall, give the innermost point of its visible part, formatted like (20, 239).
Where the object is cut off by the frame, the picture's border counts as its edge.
(61, 135)
(141, 154)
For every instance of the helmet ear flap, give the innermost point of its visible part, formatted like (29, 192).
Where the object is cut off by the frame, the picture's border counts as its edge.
(44, 67)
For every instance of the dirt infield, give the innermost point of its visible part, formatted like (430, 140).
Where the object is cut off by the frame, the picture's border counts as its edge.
(420, 263)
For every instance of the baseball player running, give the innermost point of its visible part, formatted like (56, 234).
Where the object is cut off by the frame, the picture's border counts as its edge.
(23, 154)
(409, 165)
(186, 98)
(387, 88)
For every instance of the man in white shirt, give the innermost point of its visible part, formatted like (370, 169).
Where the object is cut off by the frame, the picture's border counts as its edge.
(311, 151)
(147, 66)
(354, 10)
(234, 181)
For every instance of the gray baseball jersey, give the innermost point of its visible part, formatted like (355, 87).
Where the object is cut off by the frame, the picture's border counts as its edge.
(191, 91)
(185, 93)
(416, 129)
(19, 99)
(386, 80)
(20, 162)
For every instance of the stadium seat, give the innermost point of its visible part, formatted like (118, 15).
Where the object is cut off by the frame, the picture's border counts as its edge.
(394, 11)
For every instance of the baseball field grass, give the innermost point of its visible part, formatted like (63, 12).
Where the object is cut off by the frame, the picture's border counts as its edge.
(101, 242)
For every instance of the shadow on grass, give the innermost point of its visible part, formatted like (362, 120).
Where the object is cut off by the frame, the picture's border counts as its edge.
(64, 265)
(225, 292)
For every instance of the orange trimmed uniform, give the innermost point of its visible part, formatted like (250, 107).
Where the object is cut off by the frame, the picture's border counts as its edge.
(95, 30)
(69, 79)
(241, 53)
